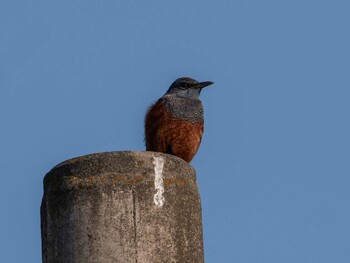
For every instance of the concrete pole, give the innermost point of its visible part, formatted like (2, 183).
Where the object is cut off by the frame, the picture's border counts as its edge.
(139, 207)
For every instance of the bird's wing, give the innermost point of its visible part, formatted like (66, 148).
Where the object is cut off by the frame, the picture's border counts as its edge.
(156, 121)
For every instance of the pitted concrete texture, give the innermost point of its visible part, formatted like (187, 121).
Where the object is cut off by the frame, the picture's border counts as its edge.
(139, 207)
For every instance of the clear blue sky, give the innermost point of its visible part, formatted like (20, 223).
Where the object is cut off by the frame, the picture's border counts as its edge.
(273, 169)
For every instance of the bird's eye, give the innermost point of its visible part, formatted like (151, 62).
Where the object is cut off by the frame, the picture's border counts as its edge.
(185, 86)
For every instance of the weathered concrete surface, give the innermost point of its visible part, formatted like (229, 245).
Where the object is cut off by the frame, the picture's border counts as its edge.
(110, 207)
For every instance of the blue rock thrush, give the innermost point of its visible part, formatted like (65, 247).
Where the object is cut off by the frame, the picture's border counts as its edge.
(175, 123)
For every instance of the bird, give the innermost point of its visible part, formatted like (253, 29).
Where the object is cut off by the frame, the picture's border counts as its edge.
(174, 124)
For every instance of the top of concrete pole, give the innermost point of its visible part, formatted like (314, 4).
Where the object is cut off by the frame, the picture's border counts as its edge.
(131, 167)
(129, 207)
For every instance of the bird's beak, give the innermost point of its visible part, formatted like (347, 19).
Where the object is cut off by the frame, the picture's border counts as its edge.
(201, 85)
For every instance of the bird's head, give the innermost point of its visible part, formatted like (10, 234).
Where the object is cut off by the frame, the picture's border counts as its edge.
(187, 88)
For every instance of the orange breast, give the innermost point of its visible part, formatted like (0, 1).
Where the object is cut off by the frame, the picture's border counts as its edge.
(164, 133)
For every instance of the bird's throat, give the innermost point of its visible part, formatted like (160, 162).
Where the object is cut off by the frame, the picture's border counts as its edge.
(185, 109)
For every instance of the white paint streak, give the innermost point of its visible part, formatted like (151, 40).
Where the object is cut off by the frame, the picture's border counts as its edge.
(158, 180)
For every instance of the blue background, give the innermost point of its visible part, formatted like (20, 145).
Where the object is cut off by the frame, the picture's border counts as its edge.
(77, 76)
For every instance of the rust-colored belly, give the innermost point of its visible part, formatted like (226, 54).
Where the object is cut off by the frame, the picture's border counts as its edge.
(164, 133)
